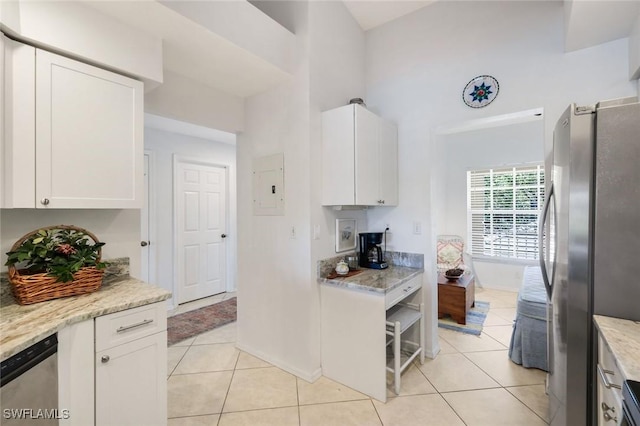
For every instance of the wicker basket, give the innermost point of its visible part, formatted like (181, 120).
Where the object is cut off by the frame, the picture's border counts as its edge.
(34, 288)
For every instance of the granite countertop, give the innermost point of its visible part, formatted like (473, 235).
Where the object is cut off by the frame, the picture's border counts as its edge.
(24, 325)
(375, 280)
(623, 338)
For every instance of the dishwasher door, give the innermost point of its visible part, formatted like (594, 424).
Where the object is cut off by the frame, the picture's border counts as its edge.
(29, 386)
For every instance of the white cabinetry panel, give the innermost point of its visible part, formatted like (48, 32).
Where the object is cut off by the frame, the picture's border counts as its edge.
(19, 168)
(88, 135)
(74, 133)
(131, 383)
(359, 158)
(131, 367)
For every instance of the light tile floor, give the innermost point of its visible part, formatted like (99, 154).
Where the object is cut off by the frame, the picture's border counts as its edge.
(470, 382)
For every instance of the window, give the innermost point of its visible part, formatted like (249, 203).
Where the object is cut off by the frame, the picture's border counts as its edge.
(503, 206)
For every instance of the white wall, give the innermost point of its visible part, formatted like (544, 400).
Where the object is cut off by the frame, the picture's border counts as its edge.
(163, 146)
(82, 32)
(417, 66)
(119, 229)
(183, 99)
(279, 309)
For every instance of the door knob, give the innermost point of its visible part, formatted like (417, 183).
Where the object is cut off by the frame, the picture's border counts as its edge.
(105, 359)
(223, 236)
(44, 201)
(144, 243)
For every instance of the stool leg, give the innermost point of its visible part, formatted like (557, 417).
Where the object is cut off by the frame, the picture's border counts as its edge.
(396, 357)
(422, 333)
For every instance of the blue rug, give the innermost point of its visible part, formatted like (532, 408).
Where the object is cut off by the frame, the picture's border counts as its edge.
(475, 320)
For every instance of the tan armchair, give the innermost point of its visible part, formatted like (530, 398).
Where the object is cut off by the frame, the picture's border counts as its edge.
(451, 254)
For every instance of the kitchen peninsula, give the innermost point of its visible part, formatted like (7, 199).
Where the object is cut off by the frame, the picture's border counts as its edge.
(102, 338)
(354, 319)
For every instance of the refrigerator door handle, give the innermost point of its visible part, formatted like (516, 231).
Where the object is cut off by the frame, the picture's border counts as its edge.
(543, 221)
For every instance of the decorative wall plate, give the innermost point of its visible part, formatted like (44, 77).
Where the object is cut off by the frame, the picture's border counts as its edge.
(480, 91)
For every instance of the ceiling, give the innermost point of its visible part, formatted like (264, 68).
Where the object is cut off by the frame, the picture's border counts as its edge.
(373, 13)
(193, 51)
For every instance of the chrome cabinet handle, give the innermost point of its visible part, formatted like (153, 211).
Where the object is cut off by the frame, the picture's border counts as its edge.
(44, 201)
(407, 289)
(605, 407)
(144, 243)
(129, 327)
(605, 380)
(609, 417)
(105, 359)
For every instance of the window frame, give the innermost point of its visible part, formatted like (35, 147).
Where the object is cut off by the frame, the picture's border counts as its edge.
(516, 253)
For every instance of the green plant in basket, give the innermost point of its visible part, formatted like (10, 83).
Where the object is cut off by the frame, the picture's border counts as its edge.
(58, 252)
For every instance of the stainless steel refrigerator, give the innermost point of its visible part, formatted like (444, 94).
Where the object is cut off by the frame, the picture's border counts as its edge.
(590, 245)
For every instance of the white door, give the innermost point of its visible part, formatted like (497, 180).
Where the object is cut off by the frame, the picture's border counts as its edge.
(200, 230)
(144, 225)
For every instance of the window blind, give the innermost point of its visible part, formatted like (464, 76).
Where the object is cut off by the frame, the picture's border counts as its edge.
(503, 206)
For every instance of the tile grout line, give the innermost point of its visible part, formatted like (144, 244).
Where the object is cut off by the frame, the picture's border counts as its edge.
(233, 373)
(298, 400)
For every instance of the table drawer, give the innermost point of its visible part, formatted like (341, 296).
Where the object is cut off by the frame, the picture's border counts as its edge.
(402, 291)
(131, 324)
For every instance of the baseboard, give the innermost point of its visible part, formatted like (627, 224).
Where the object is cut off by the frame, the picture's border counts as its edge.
(502, 288)
(309, 376)
(433, 352)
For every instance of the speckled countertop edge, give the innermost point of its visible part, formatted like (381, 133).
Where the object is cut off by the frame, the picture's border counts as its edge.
(623, 339)
(375, 280)
(24, 325)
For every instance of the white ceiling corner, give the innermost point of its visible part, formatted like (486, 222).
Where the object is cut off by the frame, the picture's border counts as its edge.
(372, 13)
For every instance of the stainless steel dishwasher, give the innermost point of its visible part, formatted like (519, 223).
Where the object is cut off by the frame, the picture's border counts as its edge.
(29, 386)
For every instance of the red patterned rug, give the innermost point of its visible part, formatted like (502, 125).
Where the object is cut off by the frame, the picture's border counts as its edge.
(189, 324)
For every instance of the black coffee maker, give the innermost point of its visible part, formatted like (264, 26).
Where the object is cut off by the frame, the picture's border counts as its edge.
(370, 251)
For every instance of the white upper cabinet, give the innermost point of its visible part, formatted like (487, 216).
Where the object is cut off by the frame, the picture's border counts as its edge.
(74, 133)
(359, 158)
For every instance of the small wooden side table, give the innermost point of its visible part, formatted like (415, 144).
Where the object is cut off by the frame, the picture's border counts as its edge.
(456, 297)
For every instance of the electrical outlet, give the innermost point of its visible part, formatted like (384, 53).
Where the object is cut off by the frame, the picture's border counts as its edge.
(417, 228)
(292, 233)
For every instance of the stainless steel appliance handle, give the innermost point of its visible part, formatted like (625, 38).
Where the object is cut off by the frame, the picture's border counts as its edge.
(605, 381)
(543, 220)
(129, 327)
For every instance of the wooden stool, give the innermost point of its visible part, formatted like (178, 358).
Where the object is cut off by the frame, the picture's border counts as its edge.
(399, 319)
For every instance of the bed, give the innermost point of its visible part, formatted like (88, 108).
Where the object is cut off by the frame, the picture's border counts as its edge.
(529, 338)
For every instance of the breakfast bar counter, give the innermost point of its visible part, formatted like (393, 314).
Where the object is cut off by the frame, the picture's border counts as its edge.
(23, 325)
(375, 280)
(354, 316)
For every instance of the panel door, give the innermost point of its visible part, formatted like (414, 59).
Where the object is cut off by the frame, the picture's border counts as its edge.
(131, 383)
(89, 136)
(367, 157)
(200, 226)
(388, 141)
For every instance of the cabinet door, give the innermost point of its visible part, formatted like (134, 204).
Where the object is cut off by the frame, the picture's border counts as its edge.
(89, 147)
(338, 160)
(367, 157)
(19, 144)
(388, 140)
(131, 383)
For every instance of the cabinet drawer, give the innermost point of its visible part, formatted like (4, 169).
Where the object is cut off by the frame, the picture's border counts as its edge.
(607, 367)
(399, 293)
(125, 326)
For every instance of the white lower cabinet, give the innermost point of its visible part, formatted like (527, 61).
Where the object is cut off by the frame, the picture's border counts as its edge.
(609, 387)
(131, 383)
(131, 367)
(112, 370)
